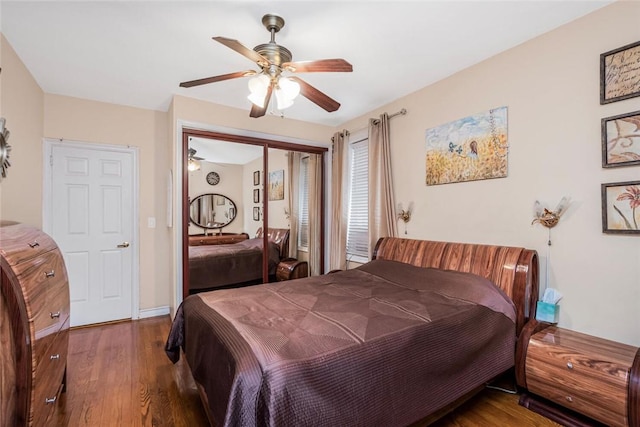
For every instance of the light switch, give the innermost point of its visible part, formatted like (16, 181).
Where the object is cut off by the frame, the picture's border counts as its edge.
(151, 222)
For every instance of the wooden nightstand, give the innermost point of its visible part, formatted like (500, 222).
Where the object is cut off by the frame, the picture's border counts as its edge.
(291, 268)
(591, 376)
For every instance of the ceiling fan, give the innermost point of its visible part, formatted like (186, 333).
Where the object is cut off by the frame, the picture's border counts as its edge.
(274, 59)
(193, 161)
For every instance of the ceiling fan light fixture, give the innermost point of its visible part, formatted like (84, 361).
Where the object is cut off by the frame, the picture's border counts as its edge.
(193, 165)
(258, 87)
(282, 100)
(286, 91)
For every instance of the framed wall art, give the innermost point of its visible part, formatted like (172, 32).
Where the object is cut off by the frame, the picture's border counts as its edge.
(256, 178)
(620, 73)
(468, 149)
(621, 140)
(620, 203)
(276, 185)
(256, 213)
(256, 195)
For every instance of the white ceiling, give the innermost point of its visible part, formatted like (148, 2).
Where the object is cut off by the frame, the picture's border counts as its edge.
(136, 53)
(223, 152)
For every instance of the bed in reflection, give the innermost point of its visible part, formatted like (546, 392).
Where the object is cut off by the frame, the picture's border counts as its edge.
(213, 266)
(408, 335)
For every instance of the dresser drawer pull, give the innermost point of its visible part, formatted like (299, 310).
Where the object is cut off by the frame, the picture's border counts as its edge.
(50, 273)
(55, 357)
(50, 400)
(55, 315)
(569, 399)
(34, 245)
(569, 365)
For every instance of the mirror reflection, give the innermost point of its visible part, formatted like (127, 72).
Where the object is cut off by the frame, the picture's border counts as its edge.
(212, 211)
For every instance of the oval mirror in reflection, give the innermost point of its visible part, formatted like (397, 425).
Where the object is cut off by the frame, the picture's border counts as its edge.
(212, 211)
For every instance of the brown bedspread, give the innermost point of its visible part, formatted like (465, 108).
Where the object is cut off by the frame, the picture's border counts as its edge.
(384, 344)
(213, 266)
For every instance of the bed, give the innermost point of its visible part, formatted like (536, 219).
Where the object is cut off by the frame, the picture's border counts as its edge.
(408, 335)
(216, 266)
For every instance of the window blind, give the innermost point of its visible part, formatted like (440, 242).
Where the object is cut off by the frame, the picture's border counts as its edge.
(358, 218)
(303, 208)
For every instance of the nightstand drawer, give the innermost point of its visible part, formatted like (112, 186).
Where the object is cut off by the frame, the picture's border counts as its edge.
(586, 374)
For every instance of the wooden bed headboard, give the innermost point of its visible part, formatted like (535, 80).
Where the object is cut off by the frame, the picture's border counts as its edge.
(513, 269)
(279, 236)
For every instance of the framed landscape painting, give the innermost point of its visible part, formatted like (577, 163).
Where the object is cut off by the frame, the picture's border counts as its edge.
(468, 149)
(276, 185)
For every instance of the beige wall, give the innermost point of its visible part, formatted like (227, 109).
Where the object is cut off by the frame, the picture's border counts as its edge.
(551, 88)
(95, 122)
(22, 105)
(230, 185)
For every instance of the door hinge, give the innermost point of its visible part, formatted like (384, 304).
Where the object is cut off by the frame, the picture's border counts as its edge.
(50, 159)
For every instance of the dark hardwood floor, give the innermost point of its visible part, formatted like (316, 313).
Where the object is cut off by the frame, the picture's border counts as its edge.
(119, 375)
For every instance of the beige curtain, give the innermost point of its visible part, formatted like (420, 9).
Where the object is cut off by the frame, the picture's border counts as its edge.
(382, 212)
(315, 205)
(293, 159)
(339, 201)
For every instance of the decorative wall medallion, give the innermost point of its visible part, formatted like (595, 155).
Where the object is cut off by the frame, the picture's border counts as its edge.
(5, 149)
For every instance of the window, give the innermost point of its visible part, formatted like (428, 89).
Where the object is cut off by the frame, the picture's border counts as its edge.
(303, 205)
(358, 217)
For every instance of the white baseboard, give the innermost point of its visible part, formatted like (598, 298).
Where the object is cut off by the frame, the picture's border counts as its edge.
(153, 312)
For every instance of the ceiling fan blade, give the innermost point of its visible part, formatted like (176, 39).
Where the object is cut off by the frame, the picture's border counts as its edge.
(321, 65)
(243, 50)
(315, 96)
(218, 78)
(258, 111)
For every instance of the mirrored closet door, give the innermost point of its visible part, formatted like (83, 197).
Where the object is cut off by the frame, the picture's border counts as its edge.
(252, 211)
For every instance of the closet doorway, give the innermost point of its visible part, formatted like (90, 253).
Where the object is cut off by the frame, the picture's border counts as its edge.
(256, 184)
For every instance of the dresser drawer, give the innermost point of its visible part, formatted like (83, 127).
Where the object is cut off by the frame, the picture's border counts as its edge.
(42, 346)
(586, 374)
(20, 243)
(44, 282)
(48, 376)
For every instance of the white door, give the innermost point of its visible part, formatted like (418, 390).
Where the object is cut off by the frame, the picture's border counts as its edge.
(91, 219)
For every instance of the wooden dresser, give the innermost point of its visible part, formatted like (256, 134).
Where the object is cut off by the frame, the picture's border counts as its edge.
(589, 376)
(34, 325)
(217, 239)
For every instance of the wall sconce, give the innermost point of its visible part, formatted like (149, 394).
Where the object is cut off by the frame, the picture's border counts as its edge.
(549, 219)
(405, 215)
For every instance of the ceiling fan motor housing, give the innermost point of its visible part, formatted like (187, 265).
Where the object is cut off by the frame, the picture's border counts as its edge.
(275, 53)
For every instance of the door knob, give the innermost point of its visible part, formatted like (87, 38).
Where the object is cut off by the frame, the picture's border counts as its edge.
(123, 245)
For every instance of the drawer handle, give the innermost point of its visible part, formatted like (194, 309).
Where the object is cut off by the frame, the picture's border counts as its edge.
(569, 365)
(34, 245)
(55, 357)
(50, 273)
(55, 315)
(569, 399)
(50, 400)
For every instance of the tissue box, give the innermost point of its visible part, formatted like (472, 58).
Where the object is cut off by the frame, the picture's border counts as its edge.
(547, 312)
